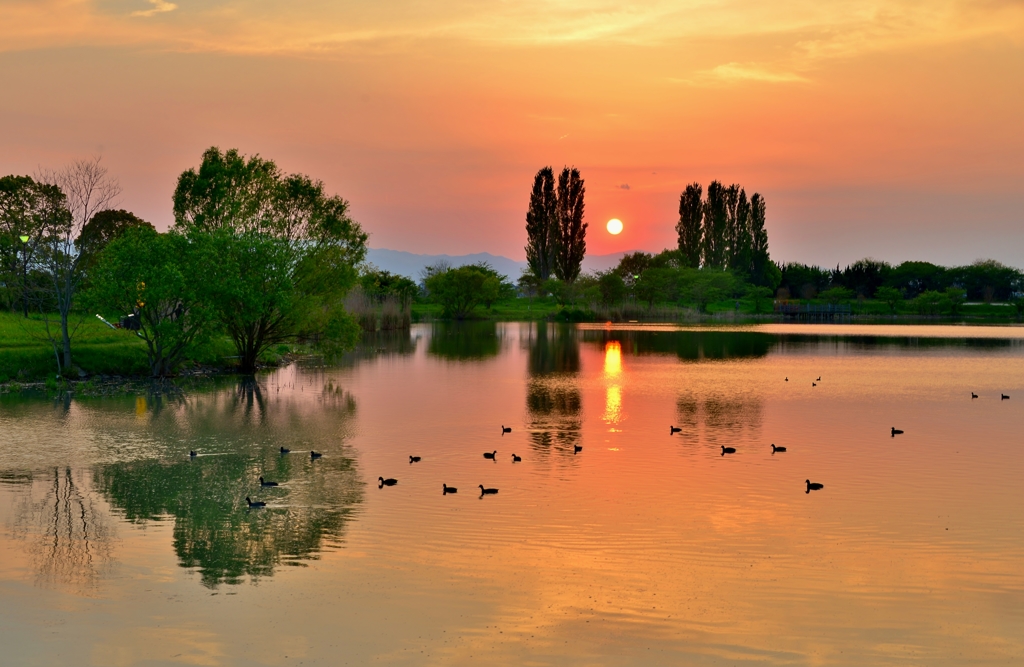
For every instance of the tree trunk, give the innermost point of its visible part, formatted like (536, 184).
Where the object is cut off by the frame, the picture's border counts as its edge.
(66, 340)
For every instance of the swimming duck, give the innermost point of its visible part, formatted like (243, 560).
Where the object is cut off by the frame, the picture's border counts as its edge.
(777, 449)
(673, 429)
(448, 489)
(973, 395)
(516, 459)
(505, 429)
(895, 431)
(315, 455)
(414, 459)
(192, 454)
(490, 455)
(262, 483)
(576, 449)
(258, 503)
(386, 482)
(819, 379)
(487, 492)
(1003, 397)
(814, 486)
(728, 450)
(285, 451)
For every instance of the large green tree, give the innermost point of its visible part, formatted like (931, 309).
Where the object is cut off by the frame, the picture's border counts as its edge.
(715, 223)
(572, 231)
(166, 281)
(104, 227)
(28, 209)
(542, 225)
(461, 290)
(688, 228)
(287, 250)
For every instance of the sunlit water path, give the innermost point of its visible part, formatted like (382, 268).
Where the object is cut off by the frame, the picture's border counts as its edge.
(117, 548)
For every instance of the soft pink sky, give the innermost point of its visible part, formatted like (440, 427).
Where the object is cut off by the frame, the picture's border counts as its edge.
(892, 130)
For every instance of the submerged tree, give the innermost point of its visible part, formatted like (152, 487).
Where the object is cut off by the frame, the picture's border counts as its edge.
(542, 224)
(689, 226)
(572, 231)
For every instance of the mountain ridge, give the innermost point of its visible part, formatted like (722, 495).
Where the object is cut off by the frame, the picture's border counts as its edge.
(412, 264)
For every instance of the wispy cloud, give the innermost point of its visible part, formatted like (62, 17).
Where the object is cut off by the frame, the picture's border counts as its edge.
(749, 72)
(159, 7)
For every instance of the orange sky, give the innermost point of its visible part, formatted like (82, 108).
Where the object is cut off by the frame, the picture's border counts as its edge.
(891, 130)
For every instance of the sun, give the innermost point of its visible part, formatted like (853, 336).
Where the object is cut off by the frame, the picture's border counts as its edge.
(614, 226)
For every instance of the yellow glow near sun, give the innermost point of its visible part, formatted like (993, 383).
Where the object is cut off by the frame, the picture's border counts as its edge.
(614, 226)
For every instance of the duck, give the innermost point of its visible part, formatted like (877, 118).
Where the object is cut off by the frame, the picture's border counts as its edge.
(258, 503)
(487, 492)
(728, 450)
(262, 483)
(490, 455)
(505, 429)
(673, 429)
(787, 379)
(819, 379)
(315, 455)
(973, 395)
(777, 449)
(516, 459)
(285, 451)
(448, 489)
(386, 482)
(895, 431)
(414, 459)
(1003, 397)
(192, 454)
(814, 384)
(814, 486)
(576, 449)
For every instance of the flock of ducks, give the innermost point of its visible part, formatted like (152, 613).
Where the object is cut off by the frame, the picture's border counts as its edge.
(492, 456)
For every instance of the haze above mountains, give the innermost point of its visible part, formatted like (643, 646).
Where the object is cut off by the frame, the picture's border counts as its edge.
(412, 265)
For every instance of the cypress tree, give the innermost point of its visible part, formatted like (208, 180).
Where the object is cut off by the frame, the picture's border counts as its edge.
(689, 226)
(572, 231)
(714, 243)
(759, 257)
(542, 224)
(741, 240)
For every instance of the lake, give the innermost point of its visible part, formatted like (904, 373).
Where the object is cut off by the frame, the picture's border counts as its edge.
(643, 547)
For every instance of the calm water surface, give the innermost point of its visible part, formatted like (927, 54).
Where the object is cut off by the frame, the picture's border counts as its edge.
(116, 548)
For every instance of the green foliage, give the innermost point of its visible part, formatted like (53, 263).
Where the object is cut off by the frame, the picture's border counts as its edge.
(104, 227)
(655, 284)
(835, 295)
(542, 228)
(890, 296)
(163, 278)
(461, 290)
(378, 284)
(706, 286)
(611, 287)
(688, 229)
(759, 295)
(956, 297)
(931, 302)
(572, 231)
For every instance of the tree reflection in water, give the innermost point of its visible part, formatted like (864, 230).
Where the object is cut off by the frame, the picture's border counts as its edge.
(238, 432)
(724, 420)
(459, 341)
(69, 539)
(553, 399)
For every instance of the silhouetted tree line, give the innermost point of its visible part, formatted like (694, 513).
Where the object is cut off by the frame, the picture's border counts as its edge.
(985, 280)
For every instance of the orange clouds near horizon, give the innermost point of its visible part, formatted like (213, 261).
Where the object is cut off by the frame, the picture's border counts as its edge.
(873, 129)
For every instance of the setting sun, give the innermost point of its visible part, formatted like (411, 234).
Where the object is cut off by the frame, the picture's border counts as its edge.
(614, 226)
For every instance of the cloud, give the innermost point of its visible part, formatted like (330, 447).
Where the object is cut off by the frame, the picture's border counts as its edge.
(159, 7)
(733, 72)
(624, 186)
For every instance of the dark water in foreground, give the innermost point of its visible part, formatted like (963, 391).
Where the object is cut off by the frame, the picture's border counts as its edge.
(117, 548)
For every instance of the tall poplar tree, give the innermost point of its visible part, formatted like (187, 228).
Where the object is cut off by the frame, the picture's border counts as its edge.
(689, 226)
(739, 233)
(572, 231)
(759, 257)
(714, 242)
(542, 224)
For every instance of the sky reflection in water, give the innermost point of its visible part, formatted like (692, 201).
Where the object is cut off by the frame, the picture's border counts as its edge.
(643, 547)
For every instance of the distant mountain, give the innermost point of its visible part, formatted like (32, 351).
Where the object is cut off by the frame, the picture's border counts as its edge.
(412, 264)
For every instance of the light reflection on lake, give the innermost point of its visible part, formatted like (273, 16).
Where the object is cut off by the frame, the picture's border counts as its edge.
(642, 548)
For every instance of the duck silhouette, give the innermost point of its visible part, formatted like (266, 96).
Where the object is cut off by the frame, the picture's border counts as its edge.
(576, 449)
(814, 384)
(487, 492)
(787, 379)
(315, 455)
(258, 503)
(728, 450)
(1003, 397)
(673, 429)
(447, 489)
(895, 431)
(973, 395)
(819, 379)
(777, 449)
(516, 459)
(505, 429)
(813, 486)
(386, 482)
(490, 455)
(414, 459)
(285, 451)
(264, 483)
(192, 454)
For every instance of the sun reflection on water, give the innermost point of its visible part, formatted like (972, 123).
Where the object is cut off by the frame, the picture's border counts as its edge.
(612, 370)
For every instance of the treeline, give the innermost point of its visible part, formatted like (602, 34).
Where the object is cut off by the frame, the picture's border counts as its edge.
(984, 280)
(255, 254)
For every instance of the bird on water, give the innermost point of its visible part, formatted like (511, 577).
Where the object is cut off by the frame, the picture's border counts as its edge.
(258, 503)
(1003, 397)
(728, 450)
(516, 458)
(285, 451)
(973, 395)
(192, 454)
(414, 459)
(487, 492)
(819, 379)
(814, 384)
(673, 429)
(813, 486)
(490, 455)
(895, 431)
(386, 482)
(576, 449)
(315, 455)
(505, 429)
(777, 449)
(448, 489)
(264, 483)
